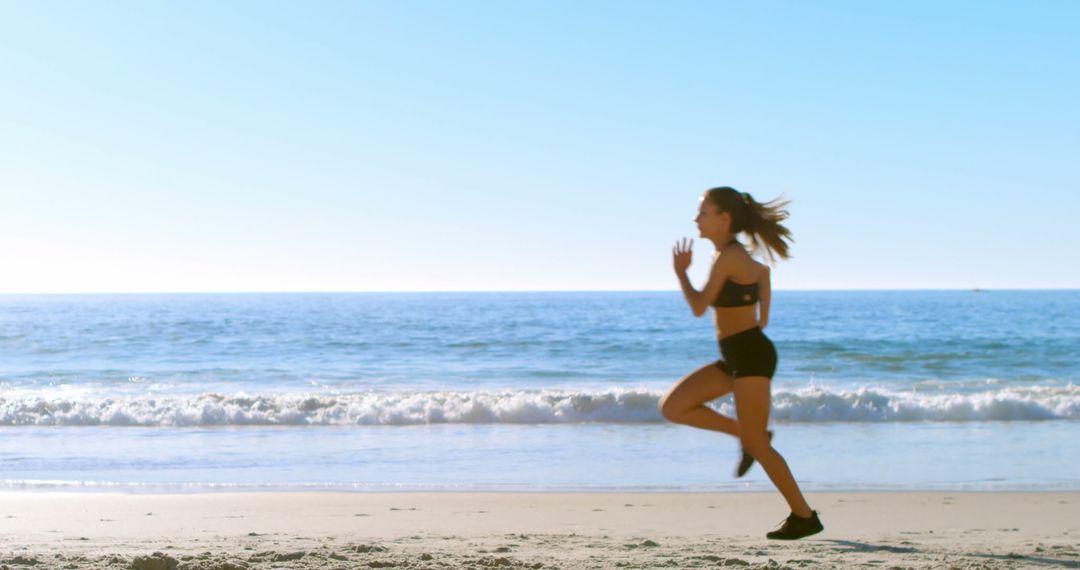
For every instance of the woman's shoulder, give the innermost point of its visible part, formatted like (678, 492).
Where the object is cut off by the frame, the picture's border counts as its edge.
(749, 266)
(762, 270)
(740, 265)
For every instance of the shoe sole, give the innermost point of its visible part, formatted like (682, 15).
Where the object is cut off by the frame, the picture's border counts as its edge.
(795, 537)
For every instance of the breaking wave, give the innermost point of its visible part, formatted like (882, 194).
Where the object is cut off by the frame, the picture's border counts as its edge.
(812, 404)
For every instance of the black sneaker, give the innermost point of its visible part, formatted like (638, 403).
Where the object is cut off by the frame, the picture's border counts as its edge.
(746, 462)
(796, 527)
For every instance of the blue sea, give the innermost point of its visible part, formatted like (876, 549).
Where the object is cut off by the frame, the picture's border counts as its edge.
(876, 390)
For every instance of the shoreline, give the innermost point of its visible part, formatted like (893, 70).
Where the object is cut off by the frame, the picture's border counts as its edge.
(168, 491)
(316, 529)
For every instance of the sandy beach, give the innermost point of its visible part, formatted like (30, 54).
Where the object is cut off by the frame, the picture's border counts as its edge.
(534, 530)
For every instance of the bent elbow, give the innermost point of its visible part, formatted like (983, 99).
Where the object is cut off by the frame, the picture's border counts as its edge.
(698, 311)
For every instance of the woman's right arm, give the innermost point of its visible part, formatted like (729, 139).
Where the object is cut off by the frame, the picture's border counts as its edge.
(699, 301)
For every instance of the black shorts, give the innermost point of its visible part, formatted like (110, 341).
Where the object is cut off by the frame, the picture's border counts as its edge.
(749, 353)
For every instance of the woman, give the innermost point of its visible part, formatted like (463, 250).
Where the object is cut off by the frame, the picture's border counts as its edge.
(738, 290)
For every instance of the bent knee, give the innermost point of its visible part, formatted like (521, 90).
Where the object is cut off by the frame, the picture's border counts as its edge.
(755, 444)
(668, 411)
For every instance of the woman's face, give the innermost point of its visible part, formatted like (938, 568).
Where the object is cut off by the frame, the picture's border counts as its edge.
(711, 221)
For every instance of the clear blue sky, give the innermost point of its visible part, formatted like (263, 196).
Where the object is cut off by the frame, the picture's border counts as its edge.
(528, 145)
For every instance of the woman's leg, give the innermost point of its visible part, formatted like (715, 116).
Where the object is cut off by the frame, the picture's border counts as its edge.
(685, 402)
(752, 402)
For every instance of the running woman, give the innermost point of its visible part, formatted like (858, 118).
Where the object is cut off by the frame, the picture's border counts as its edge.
(739, 291)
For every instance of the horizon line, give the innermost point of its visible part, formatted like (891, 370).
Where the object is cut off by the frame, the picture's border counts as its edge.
(508, 291)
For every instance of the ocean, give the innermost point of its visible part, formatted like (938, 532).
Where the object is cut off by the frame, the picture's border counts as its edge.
(875, 390)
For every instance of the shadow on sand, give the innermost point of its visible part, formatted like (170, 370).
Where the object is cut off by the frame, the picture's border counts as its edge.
(851, 546)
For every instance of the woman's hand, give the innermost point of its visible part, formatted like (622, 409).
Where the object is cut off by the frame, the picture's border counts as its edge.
(682, 255)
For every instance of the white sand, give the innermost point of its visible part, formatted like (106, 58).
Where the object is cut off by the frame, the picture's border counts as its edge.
(541, 530)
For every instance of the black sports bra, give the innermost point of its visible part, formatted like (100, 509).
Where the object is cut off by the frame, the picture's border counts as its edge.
(734, 294)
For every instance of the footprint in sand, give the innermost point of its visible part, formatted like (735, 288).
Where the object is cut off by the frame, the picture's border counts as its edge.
(289, 557)
(23, 561)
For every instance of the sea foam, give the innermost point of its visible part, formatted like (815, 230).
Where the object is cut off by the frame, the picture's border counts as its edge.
(810, 404)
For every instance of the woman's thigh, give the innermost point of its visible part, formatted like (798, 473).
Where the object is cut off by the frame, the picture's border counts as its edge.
(702, 385)
(753, 398)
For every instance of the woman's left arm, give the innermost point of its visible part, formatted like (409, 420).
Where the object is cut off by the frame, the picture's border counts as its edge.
(764, 296)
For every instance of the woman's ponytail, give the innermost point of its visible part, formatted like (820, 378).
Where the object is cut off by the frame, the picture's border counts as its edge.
(761, 221)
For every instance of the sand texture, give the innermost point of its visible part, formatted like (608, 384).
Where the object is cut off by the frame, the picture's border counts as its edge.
(534, 530)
